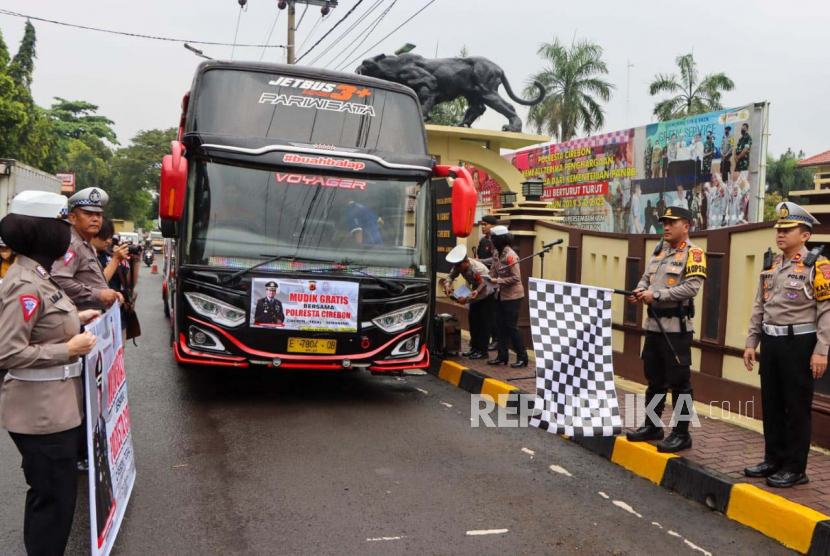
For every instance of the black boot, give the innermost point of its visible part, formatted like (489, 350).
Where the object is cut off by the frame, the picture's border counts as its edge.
(494, 345)
(646, 432)
(497, 361)
(678, 440)
(478, 355)
(520, 362)
(468, 353)
(763, 469)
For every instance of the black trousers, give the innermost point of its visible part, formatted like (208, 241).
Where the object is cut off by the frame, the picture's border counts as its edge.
(507, 319)
(787, 398)
(725, 168)
(663, 372)
(50, 467)
(482, 316)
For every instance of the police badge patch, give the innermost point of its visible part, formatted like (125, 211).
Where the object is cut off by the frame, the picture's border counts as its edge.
(67, 258)
(30, 304)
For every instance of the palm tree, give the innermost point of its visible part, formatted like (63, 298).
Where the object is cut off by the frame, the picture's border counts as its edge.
(692, 95)
(573, 79)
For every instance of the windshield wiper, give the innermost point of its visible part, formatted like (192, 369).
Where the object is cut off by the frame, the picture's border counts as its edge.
(392, 287)
(231, 277)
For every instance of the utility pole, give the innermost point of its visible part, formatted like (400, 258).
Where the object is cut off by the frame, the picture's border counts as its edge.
(627, 89)
(292, 14)
(326, 6)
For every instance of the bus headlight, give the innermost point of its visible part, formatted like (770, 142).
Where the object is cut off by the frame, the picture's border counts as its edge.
(217, 311)
(400, 319)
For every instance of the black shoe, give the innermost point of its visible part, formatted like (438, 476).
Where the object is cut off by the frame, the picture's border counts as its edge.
(493, 346)
(497, 361)
(647, 432)
(787, 479)
(468, 353)
(764, 469)
(519, 363)
(478, 355)
(83, 466)
(676, 442)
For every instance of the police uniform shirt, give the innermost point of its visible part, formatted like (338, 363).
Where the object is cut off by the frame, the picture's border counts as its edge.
(269, 311)
(36, 321)
(792, 293)
(473, 277)
(678, 275)
(508, 274)
(80, 274)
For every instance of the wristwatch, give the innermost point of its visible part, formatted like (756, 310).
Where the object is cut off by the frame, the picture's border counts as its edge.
(657, 295)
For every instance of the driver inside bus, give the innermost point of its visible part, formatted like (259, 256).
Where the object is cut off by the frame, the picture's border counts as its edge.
(363, 224)
(269, 308)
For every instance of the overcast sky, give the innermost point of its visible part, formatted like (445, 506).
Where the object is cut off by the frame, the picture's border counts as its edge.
(775, 51)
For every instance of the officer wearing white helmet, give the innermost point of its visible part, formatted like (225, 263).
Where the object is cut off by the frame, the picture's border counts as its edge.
(481, 300)
(79, 273)
(791, 320)
(41, 404)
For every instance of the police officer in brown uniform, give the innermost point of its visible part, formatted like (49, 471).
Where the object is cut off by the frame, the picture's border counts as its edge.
(41, 404)
(791, 321)
(481, 299)
(673, 278)
(508, 278)
(79, 273)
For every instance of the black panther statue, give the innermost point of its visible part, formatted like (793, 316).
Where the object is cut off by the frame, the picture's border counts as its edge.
(440, 80)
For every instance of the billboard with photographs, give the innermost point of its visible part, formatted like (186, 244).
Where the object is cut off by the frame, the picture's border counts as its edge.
(622, 181)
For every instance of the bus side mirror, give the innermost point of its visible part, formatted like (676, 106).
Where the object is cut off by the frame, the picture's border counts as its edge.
(464, 198)
(173, 184)
(168, 229)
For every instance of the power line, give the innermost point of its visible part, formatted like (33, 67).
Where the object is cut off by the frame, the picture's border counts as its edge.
(236, 33)
(354, 25)
(390, 34)
(273, 26)
(313, 29)
(366, 35)
(137, 35)
(359, 2)
(302, 17)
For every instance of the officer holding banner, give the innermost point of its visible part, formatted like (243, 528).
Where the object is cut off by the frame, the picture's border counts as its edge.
(791, 320)
(673, 278)
(42, 400)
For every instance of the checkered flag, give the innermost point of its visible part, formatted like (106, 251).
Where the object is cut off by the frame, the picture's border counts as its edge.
(571, 328)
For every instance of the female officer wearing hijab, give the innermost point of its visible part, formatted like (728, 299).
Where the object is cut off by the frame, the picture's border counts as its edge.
(508, 278)
(41, 404)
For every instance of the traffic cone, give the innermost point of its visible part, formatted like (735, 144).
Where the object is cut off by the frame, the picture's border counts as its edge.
(155, 269)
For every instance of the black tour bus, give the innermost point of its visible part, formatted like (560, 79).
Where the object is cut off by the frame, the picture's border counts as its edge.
(303, 213)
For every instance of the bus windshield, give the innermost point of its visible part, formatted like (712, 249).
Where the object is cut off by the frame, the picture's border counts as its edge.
(238, 216)
(255, 104)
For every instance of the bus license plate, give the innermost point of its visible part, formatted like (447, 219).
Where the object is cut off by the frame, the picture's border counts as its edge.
(308, 345)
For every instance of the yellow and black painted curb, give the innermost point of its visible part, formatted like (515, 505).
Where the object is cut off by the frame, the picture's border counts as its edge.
(794, 525)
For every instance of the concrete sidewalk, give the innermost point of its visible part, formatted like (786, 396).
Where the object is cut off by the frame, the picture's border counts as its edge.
(722, 449)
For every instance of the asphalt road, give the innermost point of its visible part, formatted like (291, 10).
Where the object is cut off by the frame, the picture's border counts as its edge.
(267, 462)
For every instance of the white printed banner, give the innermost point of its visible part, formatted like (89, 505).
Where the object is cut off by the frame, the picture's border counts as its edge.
(109, 439)
(312, 305)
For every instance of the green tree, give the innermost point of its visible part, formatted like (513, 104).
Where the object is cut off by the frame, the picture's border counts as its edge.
(574, 84)
(450, 113)
(73, 118)
(136, 176)
(692, 95)
(783, 176)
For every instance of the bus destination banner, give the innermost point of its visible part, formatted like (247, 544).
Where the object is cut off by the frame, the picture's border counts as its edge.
(312, 305)
(443, 216)
(108, 432)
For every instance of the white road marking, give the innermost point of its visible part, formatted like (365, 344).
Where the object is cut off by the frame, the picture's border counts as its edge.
(487, 532)
(673, 534)
(563, 471)
(657, 524)
(446, 404)
(603, 495)
(695, 547)
(386, 539)
(527, 451)
(626, 507)
(422, 391)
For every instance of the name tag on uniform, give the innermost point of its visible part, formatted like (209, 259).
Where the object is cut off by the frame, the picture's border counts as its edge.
(91, 259)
